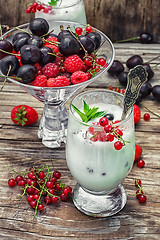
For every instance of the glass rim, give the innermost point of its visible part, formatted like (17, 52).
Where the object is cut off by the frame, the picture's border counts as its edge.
(67, 5)
(97, 126)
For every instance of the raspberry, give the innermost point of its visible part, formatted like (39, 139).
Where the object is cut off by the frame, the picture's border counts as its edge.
(50, 70)
(73, 63)
(51, 42)
(40, 81)
(137, 113)
(78, 77)
(59, 81)
(138, 152)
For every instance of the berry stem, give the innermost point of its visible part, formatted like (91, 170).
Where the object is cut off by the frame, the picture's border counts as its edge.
(150, 110)
(1, 34)
(127, 40)
(20, 29)
(14, 54)
(86, 53)
(43, 186)
(153, 59)
(5, 79)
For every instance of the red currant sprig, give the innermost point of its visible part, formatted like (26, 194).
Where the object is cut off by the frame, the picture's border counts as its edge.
(139, 193)
(42, 187)
(108, 133)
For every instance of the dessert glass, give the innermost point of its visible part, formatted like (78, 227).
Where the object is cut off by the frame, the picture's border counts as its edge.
(71, 10)
(53, 123)
(97, 166)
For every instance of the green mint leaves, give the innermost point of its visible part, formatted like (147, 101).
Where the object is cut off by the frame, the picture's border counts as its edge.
(53, 2)
(89, 113)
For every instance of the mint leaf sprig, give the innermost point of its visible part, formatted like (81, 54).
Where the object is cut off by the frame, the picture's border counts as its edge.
(89, 113)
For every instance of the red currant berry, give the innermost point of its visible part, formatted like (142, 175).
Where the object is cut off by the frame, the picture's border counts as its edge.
(58, 186)
(21, 183)
(117, 90)
(118, 145)
(31, 174)
(146, 117)
(119, 132)
(63, 197)
(33, 204)
(110, 137)
(36, 196)
(40, 207)
(103, 121)
(138, 182)
(102, 62)
(57, 174)
(54, 199)
(140, 163)
(18, 178)
(34, 4)
(49, 184)
(108, 128)
(11, 182)
(88, 62)
(89, 75)
(41, 175)
(79, 31)
(123, 91)
(36, 191)
(89, 29)
(139, 192)
(54, 180)
(30, 190)
(47, 200)
(94, 139)
(51, 191)
(142, 198)
(66, 191)
(30, 198)
(69, 189)
(28, 10)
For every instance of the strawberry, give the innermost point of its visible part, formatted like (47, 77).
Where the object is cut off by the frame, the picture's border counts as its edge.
(137, 113)
(138, 152)
(24, 115)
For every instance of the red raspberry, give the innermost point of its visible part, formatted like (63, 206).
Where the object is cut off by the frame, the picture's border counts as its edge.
(73, 63)
(50, 70)
(78, 77)
(40, 81)
(52, 42)
(137, 113)
(59, 81)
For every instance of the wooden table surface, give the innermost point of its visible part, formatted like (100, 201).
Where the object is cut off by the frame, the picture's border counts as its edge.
(21, 149)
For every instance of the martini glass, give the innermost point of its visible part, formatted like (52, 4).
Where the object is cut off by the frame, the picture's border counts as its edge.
(53, 124)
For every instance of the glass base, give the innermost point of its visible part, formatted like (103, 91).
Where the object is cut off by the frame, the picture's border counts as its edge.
(99, 205)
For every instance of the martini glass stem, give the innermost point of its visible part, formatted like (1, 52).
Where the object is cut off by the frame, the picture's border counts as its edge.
(53, 125)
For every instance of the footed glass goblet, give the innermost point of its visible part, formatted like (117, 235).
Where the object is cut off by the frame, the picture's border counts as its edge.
(100, 156)
(53, 123)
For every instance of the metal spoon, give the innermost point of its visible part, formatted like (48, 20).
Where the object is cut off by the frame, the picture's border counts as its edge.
(136, 78)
